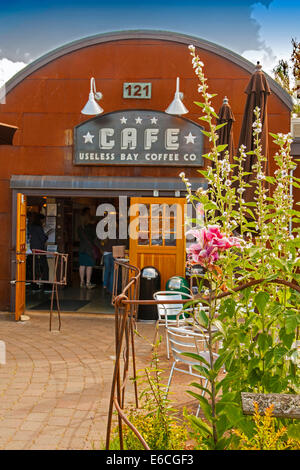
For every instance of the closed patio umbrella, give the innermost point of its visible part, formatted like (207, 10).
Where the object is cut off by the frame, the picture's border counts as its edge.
(226, 132)
(6, 133)
(258, 91)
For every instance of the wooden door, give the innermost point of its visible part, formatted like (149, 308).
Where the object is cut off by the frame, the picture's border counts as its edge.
(157, 236)
(20, 256)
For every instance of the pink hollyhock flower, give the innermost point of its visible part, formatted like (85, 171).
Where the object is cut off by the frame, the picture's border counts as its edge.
(210, 242)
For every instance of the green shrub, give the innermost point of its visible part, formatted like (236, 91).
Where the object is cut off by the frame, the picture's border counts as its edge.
(268, 435)
(154, 430)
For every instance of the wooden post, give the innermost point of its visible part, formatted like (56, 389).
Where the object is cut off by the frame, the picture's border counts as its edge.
(285, 406)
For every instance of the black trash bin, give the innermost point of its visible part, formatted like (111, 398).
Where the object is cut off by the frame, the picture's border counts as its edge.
(149, 283)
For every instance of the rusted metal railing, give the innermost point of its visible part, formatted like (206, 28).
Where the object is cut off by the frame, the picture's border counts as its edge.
(59, 277)
(127, 282)
(126, 279)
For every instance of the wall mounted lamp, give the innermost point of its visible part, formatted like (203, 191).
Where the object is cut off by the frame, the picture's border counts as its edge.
(177, 107)
(91, 106)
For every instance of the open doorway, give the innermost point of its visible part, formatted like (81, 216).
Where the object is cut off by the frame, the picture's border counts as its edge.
(61, 218)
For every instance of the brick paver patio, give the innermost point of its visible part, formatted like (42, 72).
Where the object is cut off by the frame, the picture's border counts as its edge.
(55, 386)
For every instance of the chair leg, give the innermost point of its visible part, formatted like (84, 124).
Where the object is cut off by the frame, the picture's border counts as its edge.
(167, 344)
(170, 378)
(155, 333)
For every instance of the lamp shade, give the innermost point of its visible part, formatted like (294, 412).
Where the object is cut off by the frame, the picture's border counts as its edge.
(177, 107)
(91, 107)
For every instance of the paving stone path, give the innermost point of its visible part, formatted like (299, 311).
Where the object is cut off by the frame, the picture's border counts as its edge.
(55, 386)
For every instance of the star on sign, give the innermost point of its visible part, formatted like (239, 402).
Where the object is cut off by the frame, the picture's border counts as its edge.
(123, 120)
(190, 138)
(154, 120)
(88, 138)
(138, 120)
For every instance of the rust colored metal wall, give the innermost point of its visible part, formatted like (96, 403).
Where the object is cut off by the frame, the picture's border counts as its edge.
(45, 106)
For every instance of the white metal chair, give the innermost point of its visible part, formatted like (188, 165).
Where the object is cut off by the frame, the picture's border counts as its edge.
(185, 339)
(170, 314)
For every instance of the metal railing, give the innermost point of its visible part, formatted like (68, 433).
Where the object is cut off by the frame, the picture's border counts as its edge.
(125, 298)
(126, 279)
(58, 277)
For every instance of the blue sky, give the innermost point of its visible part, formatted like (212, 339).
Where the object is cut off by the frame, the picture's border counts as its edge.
(258, 30)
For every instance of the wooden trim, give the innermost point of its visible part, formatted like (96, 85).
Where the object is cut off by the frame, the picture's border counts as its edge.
(13, 249)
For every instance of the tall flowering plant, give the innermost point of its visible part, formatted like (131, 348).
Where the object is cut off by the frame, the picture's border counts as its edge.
(251, 280)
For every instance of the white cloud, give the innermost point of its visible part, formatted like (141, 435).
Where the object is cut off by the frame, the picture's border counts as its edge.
(264, 57)
(278, 23)
(9, 68)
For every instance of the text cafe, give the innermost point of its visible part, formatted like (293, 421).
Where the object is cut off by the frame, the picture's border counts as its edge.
(120, 163)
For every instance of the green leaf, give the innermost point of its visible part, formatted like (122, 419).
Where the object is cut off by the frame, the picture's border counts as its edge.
(268, 359)
(279, 353)
(202, 427)
(261, 300)
(286, 338)
(264, 341)
(220, 327)
(201, 105)
(254, 377)
(219, 126)
(221, 360)
(247, 426)
(202, 318)
(207, 373)
(206, 155)
(253, 363)
(220, 148)
(272, 383)
(214, 114)
(228, 307)
(222, 425)
(208, 134)
(198, 385)
(293, 431)
(291, 324)
(270, 179)
(197, 357)
(203, 173)
(233, 413)
(211, 205)
(204, 118)
(203, 403)
(250, 212)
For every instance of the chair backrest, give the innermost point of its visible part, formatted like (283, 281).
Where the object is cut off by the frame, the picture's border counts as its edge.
(184, 340)
(170, 311)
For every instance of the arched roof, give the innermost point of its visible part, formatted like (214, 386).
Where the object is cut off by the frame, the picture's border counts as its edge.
(146, 34)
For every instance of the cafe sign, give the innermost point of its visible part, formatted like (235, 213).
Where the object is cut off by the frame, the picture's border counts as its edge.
(138, 137)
